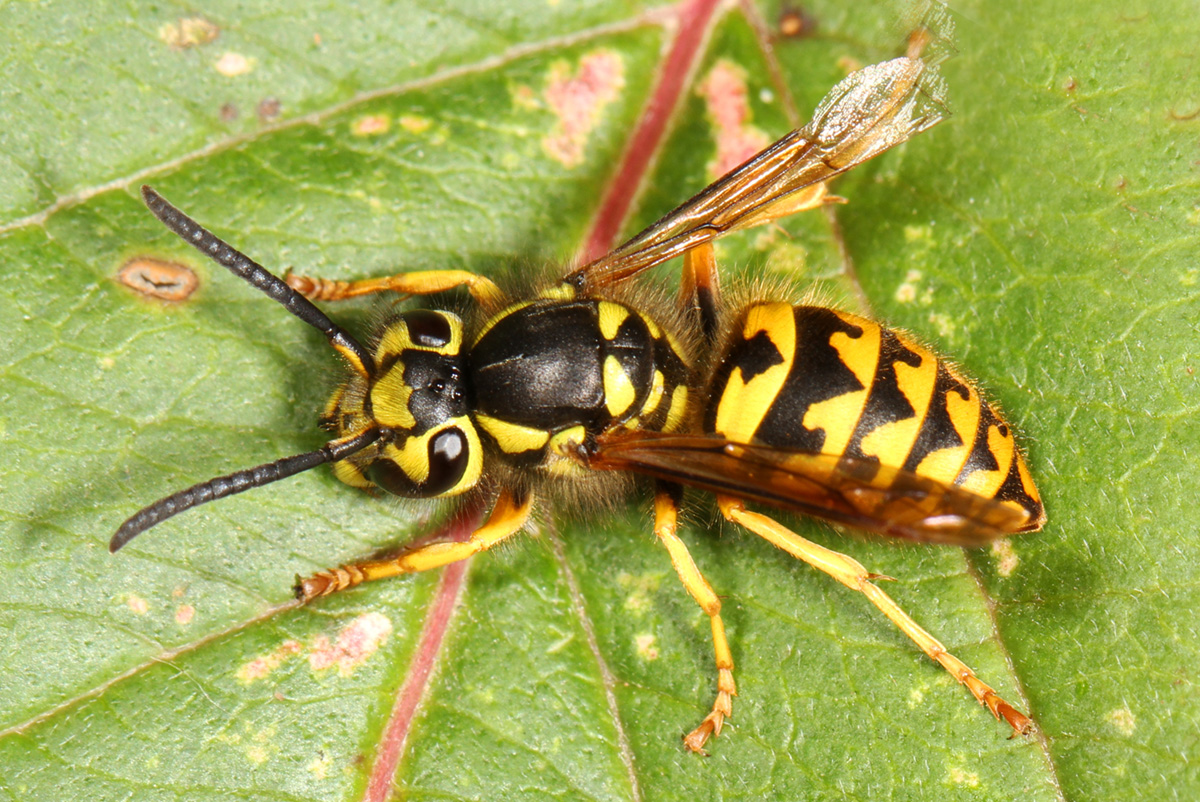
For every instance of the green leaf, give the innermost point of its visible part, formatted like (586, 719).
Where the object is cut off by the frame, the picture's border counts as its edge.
(1045, 237)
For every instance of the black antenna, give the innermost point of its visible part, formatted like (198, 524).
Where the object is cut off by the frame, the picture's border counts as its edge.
(246, 268)
(223, 486)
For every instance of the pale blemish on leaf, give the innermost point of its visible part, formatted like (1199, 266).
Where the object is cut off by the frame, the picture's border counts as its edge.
(184, 614)
(579, 100)
(916, 697)
(188, 32)
(959, 776)
(918, 234)
(137, 604)
(1122, 720)
(415, 124)
(319, 767)
(906, 293)
(647, 646)
(262, 666)
(1006, 558)
(942, 322)
(157, 278)
(355, 643)
(371, 125)
(262, 744)
(231, 64)
(728, 108)
(640, 588)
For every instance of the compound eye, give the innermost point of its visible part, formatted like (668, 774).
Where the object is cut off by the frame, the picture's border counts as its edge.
(448, 456)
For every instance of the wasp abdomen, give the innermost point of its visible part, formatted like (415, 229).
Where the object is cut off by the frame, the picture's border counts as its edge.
(824, 381)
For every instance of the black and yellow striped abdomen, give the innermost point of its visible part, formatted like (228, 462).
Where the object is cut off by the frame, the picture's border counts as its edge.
(823, 381)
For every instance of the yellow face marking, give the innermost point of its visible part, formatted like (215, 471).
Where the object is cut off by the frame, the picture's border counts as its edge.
(355, 363)
(986, 483)
(396, 339)
(892, 442)
(839, 415)
(944, 464)
(351, 475)
(676, 415)
(413, 458)
(611, 317)
(474, 467)
(619, 392)
(335, 401)
(389, 400)
(744, 404)
(512, 437)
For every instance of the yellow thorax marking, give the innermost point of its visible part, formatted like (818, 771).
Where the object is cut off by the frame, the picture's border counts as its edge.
(676, 415)
(655, 397)
(513, 438)
(503, 313)
(562, 450)
(619, 392)
(610, 317)
(558, 292)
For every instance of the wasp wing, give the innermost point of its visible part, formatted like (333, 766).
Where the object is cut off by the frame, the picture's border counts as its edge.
(857, 492)
(869, 112)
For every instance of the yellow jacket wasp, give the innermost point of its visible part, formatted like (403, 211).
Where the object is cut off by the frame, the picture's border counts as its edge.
(585, 381)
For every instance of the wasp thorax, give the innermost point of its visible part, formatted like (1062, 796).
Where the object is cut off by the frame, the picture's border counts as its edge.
(419, 398)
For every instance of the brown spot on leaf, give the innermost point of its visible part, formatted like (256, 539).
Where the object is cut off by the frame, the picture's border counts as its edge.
(156, 278)
(726, 101)
(795, 23)
(228, 113)
(578, 101)
(184, 614)
(268, 108)
(1184, 116)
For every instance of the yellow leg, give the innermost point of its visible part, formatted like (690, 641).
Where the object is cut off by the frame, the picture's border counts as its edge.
(421, 282)
(507, 518)
(853, 575)
(666, 514)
